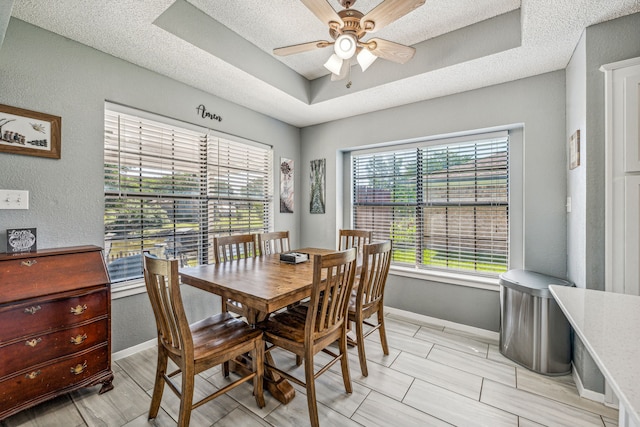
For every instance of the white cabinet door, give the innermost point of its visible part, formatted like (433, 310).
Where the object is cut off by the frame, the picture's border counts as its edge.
(622, 175)
(631, 114)
(632, 235)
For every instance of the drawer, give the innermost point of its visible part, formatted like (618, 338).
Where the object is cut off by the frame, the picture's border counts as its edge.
(39, 349)
(53, 379)
(41, 275)
(43, 315)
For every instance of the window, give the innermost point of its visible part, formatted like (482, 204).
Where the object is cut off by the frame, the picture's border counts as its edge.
(170, 188)
(444, 204)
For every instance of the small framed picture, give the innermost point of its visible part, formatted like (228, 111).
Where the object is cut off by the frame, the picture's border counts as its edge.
(21, 240)
(574, 150)
(29, 132)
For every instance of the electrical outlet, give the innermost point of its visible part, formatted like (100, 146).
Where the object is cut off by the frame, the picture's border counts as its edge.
(14, 199)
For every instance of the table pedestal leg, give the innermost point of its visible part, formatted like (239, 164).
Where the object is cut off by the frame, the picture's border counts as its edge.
(278, 386)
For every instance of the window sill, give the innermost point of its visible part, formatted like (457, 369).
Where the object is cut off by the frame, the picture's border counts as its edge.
(127, 289)
(488, 283)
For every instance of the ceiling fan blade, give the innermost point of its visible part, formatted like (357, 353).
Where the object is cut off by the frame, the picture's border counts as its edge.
(299, 48)
(323, 10)
(391, 51)
(387, 12)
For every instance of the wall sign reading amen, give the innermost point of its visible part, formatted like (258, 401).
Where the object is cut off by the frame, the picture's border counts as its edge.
(202, 112)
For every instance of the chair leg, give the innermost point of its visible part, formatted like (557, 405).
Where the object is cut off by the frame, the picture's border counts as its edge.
(186, 398)
(298, 360)
(344, 361)
(311, 388)
(225, 369)
(361, 351)
(257, 359)
(383, 332)
(158, 385)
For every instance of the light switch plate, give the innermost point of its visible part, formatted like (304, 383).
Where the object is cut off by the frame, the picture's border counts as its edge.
(14, 199)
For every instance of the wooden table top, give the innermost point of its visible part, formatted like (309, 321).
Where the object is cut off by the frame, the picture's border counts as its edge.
(264, 283)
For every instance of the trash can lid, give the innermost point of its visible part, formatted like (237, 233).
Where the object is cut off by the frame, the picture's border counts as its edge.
(530, 282)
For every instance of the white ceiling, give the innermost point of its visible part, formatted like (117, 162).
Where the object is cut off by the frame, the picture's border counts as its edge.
(550, 30)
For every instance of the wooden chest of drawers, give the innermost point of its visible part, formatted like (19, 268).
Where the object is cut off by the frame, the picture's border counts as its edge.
(55, 322)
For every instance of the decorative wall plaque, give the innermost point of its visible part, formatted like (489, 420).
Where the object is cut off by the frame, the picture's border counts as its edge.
(21, 240)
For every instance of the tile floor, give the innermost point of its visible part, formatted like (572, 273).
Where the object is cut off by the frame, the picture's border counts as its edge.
(433, 376)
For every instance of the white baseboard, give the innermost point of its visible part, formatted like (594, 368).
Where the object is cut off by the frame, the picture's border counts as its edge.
(134, 349)
(444, 323)
(587, 394)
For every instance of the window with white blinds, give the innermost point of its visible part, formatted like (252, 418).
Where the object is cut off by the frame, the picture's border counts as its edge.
(170, 190)
(444, 205)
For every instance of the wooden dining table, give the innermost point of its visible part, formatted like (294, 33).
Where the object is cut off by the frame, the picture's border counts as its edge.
(262, 285)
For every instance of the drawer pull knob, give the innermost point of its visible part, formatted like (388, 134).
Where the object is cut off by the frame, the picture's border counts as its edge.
(32, 375)
(32, 309)
(79, 309)
(34, 342)
(78, 339)
(79, 368)
(29, 263)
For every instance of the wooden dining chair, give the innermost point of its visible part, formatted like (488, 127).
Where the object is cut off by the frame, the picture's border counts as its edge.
(368, 297)
(197, 347)
(237, 246)
(275, 242)
(306, 329)
(353, 239)
(228, 248)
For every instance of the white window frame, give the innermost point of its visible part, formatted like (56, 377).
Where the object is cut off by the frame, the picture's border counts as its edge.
(516, 202)
(137, 286)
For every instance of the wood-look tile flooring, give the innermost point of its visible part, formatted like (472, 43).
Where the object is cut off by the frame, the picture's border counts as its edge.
(433, 376)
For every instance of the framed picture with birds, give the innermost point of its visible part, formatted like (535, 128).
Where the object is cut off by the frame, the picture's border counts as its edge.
(29, 132)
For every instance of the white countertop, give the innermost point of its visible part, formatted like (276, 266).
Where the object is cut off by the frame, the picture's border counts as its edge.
(608, 324)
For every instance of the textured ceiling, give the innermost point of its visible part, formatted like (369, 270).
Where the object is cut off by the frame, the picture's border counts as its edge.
(127, 29)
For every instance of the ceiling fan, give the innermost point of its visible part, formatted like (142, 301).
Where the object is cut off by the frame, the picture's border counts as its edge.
(347, 28)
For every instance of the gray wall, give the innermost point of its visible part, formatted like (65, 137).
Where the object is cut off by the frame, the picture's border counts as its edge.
(44, 72)
(537, 104)
(600, 44)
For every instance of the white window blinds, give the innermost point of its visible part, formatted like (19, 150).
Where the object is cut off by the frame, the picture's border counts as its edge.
(444, 205)
(170, 190)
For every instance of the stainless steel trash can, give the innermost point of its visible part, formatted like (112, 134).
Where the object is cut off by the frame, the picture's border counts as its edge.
(533, 330)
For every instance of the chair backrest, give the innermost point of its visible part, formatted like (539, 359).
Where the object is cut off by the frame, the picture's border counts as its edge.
(238, 246)
(275, 242)
(163, 288)
(376, 260)
(353, 239)
(333, 276)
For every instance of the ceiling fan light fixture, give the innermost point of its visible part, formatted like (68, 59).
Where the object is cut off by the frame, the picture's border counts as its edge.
(365, 59)
(344, 71)
(334, 64)
(345, 46)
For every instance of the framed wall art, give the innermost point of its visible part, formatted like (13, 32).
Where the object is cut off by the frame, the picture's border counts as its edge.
(286, 185)
(29, 132)
(574, 150)
(318, 183)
